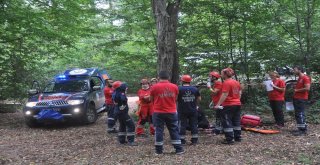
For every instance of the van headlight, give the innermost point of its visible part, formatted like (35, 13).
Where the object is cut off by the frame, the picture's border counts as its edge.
(75, 102)
(31, 104)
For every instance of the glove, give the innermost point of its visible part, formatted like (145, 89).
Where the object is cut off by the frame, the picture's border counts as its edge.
(211, 105)
(209, 84)
(272, 84)
(122, 107)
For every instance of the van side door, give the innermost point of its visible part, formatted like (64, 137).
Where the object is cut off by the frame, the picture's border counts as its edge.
(98, 94)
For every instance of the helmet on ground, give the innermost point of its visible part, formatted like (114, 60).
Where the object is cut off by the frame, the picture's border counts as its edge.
(186, 78)
(144, 81)
(228, 72)
(215, 74)
(116, 84)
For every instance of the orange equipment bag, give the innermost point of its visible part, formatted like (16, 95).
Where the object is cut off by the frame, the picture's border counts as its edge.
(250, 120)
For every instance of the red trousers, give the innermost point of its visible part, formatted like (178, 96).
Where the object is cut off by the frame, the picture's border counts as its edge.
(145, 115)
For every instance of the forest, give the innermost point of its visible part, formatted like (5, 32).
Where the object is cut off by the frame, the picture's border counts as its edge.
(40, 38)
(135, 39)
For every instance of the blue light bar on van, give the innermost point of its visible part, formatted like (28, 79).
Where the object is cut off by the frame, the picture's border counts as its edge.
(62, 77)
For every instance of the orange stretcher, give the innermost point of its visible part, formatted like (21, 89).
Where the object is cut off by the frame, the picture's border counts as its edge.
(263, 131)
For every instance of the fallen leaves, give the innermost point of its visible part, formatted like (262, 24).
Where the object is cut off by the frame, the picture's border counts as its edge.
(90, 144)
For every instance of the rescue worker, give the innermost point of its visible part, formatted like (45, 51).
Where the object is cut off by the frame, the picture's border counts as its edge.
(300, 97)
(230, 106)
(215, 96)
(111, 121)
(145, 108)
(188, 98)
(126, 124)
(276, 98)
(164, 95)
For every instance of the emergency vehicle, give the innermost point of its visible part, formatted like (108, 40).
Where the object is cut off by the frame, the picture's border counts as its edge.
(76, 94)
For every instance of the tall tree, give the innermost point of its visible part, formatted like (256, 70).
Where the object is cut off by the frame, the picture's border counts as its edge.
(166, 16)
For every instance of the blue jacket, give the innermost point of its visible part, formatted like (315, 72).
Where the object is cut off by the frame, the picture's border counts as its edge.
(120, 99)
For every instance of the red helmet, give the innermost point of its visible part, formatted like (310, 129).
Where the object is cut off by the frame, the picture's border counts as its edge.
(228, 71)
(215, 74)
(116, 84)
(186, 78)
(144, 81)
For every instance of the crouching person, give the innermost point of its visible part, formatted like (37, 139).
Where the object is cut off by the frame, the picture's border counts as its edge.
(126, 124)
(230, 101)
(188, 98)
(164, 95)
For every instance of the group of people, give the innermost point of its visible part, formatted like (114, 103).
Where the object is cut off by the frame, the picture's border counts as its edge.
(300, 97)
(164, 103)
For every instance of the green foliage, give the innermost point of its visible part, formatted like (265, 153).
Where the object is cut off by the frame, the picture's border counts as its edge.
(39, 39)
(304, 159)
(32, 35)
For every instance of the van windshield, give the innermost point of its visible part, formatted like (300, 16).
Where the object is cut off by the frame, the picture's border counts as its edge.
(67, 86)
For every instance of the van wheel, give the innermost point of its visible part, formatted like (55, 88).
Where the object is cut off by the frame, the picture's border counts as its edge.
(90, 115)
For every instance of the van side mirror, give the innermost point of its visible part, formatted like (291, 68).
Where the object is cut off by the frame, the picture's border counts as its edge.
(96, 88)
(33, 91)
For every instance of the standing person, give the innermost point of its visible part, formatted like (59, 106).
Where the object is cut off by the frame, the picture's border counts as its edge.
(276, 98)
(231, 105)
(215, 95)
(164, 95)
(111, 121)
(121, 108)
(188, 98)
(145, 108)
(300, 97)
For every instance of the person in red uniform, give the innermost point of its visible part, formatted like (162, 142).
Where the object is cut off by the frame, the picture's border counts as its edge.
(111, 121)
(145, 111)
(215, 96)
(276, 98)
(230, 106)
(300, 97)
(164, 95)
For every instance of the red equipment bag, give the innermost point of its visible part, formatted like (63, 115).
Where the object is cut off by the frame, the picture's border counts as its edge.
(250, 120)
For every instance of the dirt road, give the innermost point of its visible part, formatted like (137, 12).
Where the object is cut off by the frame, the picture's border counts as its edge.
(90, 144)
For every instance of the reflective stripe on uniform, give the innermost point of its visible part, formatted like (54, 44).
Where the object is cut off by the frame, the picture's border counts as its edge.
(130, 133)
(237, 128)
(110, 118)
(301, 125)
(195, 136)
(175, 141)
(128, 120)
(140, 126)
(122, 134)
(158, 143)
(218, 128)
(228, 129)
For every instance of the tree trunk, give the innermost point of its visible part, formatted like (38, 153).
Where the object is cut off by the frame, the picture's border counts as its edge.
(308, 22)
(166, 16)
(298, 26)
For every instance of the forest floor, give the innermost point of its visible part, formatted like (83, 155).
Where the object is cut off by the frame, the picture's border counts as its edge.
(90, 144)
